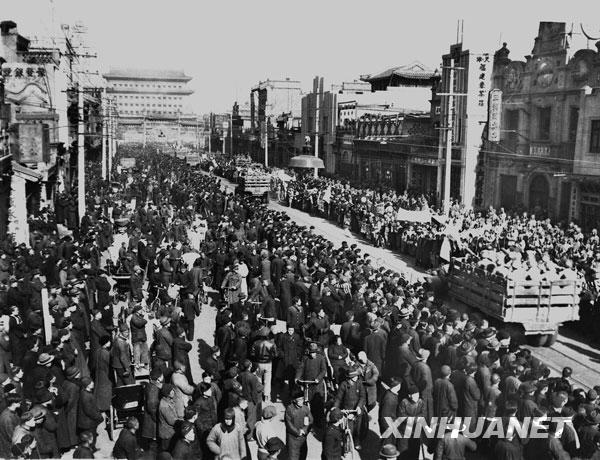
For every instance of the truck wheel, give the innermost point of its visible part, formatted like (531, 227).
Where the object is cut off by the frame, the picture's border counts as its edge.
(551, 339)
(538, 340)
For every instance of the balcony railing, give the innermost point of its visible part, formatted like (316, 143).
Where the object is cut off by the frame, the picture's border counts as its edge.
(513, 145)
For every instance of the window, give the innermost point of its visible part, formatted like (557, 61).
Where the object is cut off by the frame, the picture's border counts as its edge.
(595, 136)
(573, 119)
(544, 122)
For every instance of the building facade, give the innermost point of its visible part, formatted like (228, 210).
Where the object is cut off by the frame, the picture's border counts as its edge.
(463, 91)
(544, 162)
(153, 106)
(34, 129)
(387, 137)
(275, 111)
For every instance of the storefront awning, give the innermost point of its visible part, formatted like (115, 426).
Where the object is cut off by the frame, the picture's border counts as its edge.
(25, 172)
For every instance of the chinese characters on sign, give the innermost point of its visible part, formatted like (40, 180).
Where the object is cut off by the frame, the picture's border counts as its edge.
(484, 68)
(495, 110)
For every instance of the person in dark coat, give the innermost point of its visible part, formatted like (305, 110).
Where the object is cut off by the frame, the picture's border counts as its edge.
(67, 402)
(120, 357)
(85, 449)
(151, 400)
(389, 408)
(97, 333)
(374, 345)
(88, 415)
(184, 447)
(206, 409)
(445, 403)
(351, 395)
(126, 446)
(333, 440)
(224, 340)
(191, 311)
(422, 378)
(296, 427)
(9, 420)
(412, 407)
(139, 338)
(103, 288)
(102, 382)
(181, 353)
(289, 346)
(45, 432)
(471, 396)
(38, 373)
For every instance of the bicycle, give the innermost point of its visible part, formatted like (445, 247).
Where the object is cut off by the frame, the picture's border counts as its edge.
(349, 452)
(305, 384)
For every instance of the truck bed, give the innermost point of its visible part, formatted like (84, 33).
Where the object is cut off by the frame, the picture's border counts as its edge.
(539, 306)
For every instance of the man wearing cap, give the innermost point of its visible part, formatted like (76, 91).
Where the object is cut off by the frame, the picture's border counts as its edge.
(67, 401)
(314, 368)
(298, 422)
(24, 428)
(88, 416)
(37, 373)
(167, 416)
(445, 402)
(527, 407)
(351, 395)
(265, 430)
(121, 357)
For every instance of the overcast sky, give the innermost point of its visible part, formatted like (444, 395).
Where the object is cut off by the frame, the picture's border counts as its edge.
(229, 46)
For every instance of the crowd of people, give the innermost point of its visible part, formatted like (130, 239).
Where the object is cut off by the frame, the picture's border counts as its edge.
(152, 254)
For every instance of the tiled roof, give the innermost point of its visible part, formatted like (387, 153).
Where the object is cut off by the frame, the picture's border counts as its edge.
(413, 70)
(147, 74)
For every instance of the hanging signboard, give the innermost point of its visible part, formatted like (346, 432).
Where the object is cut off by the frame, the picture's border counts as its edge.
(33, 143)
(494, 115)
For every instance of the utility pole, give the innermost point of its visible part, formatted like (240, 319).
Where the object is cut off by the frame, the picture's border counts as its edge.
(144, 124)
(104, 133)
(178, 129)
(319, 84)
(210, 133)
(449, 128)
(267, 120)
(449, 136)
(109, 138)
(231, 132)
(80, 154)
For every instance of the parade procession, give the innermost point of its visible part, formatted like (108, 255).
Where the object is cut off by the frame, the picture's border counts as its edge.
(398, 264)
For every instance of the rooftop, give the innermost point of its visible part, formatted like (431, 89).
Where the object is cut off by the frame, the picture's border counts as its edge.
(414, 70)
(147, 74)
